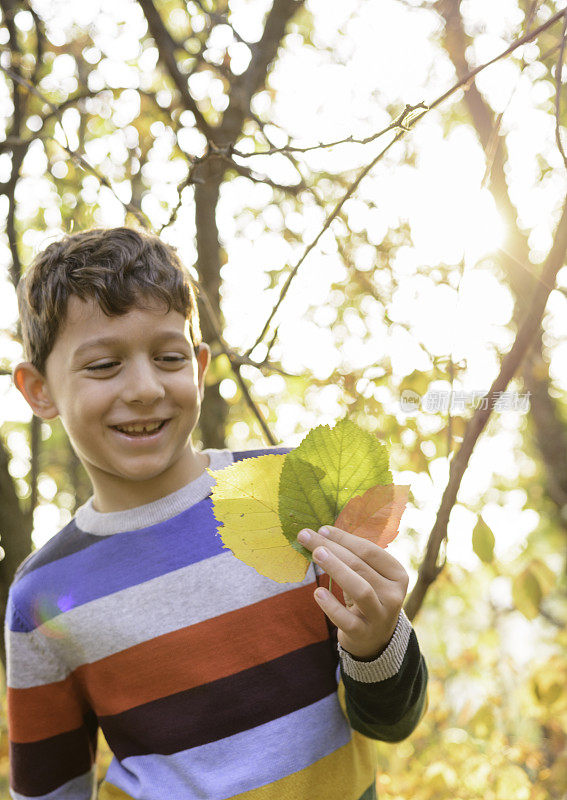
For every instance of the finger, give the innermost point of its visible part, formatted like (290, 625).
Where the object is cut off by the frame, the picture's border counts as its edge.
(378, 582)
(369, 552)
(358, 588)
(345, 620)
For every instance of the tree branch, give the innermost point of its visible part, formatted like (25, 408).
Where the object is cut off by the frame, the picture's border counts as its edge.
(326, 225)
(14, 132)
(167, 46)
(75, 155)
(401, 121)
(468, 77)
(464, 81)
(559, 83)
(527, 37)
(429, 570)
(221, 19)
(550, 431)
(291, 189)
(263, 53)
(235, 365)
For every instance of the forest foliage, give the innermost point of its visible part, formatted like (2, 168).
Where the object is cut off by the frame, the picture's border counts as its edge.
(300, 221)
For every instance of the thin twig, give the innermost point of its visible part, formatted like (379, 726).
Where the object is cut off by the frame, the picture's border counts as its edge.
(222, 153)
(528, 37)
(75, 155)
(401, 121)
(326, 225)
(265, 366)
(235, 366)
(292, 189)
(175, 211)
(559, 84)
(81, 160)
(34, 90)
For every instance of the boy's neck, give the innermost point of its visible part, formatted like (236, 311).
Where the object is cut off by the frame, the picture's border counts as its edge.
(111, 493)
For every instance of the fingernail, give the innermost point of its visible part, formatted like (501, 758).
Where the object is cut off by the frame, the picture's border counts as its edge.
(304, 537)
(320, 554)
(324, 531)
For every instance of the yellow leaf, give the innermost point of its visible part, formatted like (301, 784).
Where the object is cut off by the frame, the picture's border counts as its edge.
(245, 501)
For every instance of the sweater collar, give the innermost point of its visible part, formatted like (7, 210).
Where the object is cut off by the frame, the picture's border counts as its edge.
(104, 524)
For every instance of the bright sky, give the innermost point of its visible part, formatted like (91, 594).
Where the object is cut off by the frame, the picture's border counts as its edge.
(453, 222)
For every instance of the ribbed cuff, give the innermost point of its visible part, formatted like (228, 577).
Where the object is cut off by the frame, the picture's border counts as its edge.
(387, 664)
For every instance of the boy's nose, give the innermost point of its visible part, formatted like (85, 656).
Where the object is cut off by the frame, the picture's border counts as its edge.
(142, 385)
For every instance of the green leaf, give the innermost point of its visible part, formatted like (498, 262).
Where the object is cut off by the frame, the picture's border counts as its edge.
(319, 477)
(527, 593)
(483, 541)
(533, 584)
(549, 684)
(545, 576)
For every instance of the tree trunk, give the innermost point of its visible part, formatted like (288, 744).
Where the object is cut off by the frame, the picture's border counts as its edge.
(16, 530)
(215, 410)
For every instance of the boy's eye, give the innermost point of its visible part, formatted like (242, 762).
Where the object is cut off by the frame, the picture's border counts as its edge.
(106, 365)
(173, 359)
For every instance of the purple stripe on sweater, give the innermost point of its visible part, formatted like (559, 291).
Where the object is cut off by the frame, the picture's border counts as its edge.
(112, 564)
(100, 566)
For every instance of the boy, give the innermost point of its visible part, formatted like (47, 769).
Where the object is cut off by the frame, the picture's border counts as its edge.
(208, 680)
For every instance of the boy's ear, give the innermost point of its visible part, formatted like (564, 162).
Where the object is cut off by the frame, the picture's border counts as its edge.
(203, 356)
(33, 385)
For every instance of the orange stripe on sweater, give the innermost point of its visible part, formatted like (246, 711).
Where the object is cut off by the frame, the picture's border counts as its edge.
(174, 662)
(44, 711)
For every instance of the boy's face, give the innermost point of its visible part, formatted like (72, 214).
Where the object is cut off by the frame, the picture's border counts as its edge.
(128, 389)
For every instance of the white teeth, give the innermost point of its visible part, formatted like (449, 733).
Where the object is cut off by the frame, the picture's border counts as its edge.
(150, 428)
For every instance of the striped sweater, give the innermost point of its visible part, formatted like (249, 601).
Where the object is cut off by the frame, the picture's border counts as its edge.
(208, 680)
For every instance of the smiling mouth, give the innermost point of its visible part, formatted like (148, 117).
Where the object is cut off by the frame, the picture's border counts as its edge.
(147, 429)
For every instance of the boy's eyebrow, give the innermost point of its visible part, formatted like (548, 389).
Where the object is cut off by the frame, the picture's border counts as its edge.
(102, 341)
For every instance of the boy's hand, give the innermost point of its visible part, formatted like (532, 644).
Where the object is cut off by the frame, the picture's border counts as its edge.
(374, 585)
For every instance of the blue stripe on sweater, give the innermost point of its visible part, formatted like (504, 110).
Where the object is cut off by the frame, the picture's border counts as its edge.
(98, 566)
(113, 563)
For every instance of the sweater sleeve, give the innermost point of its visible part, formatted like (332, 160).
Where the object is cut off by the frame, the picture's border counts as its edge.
(52, 731)
(386, 698)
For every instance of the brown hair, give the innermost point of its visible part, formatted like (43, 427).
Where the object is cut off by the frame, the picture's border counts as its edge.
(113, 267)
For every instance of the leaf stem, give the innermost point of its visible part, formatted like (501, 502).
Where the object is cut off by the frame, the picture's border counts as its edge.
(330, 582)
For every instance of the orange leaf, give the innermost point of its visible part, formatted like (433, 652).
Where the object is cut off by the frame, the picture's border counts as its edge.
(376, 514)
